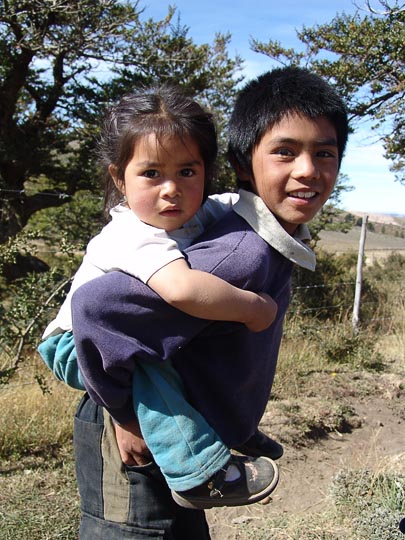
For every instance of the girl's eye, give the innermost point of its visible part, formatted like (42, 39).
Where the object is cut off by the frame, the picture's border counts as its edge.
(187, 172)
(151, 173)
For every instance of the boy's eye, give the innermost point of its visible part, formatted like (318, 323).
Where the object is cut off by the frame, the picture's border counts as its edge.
(326, 154)
(284, 152)
(151, 173)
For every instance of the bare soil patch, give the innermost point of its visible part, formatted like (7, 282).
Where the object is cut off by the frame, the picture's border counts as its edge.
(355, 421)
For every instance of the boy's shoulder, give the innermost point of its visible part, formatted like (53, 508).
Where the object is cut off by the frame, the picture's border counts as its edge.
(251, 234)
(215, 208)
(294, 248)
(230, 238)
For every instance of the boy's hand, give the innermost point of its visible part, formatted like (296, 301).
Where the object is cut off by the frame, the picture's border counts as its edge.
(131, 445)
(264, 313)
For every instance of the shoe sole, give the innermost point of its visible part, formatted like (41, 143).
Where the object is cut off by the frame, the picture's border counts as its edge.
(204, 503)
(246, 451)
(274, 450)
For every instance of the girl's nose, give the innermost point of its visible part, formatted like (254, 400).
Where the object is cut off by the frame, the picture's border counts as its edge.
(170, 188)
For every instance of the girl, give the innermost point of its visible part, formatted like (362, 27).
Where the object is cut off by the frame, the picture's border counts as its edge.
(158, 150)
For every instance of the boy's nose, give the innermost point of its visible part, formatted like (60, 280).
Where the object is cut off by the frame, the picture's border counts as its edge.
(305, 167)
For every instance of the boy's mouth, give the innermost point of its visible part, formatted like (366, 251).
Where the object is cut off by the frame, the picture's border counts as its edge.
(302, 194)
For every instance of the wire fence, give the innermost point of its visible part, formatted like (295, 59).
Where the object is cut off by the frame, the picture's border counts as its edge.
(337, 311)
(372, 310)
(9, 194)
(297, 289)
(393, 318)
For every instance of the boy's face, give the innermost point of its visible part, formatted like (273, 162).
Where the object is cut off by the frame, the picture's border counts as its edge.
(295, 166)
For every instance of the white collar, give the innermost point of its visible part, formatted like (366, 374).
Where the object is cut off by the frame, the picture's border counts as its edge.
(253, 210)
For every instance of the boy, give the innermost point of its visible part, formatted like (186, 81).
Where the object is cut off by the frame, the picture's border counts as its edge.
(288, 133)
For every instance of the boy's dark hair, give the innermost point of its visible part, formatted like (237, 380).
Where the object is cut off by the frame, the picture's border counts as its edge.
(269, 98)
(163, 110)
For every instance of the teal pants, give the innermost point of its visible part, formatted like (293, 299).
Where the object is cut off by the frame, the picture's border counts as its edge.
(184, 446)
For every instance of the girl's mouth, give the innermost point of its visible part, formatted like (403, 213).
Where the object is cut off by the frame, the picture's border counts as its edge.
(170, 212)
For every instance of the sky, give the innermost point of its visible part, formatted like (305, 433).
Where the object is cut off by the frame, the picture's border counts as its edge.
(375, 189)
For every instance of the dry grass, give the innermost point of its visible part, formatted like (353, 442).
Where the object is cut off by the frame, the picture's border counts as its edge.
(38, 498)
(34, 420)
(38, 494)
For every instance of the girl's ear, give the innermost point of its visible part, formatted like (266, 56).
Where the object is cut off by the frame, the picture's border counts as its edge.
(120, 185)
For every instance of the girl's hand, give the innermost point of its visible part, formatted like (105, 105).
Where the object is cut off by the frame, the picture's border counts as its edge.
(263, 314)
(131, 445)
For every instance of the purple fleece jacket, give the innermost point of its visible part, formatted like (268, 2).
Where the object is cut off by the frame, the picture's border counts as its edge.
(227, 370)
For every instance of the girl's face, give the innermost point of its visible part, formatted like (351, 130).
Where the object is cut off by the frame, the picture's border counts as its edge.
(163, 181)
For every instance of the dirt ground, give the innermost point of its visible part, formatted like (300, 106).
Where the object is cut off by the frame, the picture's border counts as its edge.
(371, 437)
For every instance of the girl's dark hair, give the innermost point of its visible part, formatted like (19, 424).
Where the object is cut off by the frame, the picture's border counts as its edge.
(265, 101)
(165, 111)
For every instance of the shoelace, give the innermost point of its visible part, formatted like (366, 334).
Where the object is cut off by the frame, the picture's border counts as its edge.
(219, 481)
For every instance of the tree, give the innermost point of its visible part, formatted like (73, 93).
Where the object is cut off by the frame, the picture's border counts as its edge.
(364, 54)
(61, 62)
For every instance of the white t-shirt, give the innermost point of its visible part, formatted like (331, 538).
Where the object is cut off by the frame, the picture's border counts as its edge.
(132, 246)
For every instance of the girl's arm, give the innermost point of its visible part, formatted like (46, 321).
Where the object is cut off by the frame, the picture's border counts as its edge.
(59, 354)
(206, 296)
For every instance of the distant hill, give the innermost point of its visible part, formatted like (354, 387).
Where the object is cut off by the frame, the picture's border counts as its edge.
(388, 219)
(385, 234)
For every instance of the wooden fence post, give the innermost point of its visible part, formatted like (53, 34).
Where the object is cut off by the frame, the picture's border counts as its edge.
(359, 274)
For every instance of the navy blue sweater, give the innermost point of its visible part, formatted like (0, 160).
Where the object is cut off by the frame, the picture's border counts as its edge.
(227, 370)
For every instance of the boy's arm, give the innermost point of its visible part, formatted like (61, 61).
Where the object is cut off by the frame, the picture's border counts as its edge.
(206, 296)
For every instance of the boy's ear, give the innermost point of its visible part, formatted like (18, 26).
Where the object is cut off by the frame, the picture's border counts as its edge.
(242, 174)
(245, 179)
(112, 169)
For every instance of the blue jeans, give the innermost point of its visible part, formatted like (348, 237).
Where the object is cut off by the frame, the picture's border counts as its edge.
(183, 444)
(120, 502)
